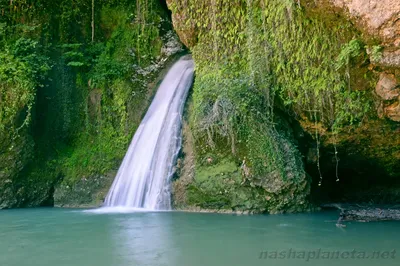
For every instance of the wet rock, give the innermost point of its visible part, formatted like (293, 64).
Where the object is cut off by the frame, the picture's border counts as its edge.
(172, 45)
(15, 155)
(386, 87)
(379, 18)
(370, 215)
(365, 213)
(86, 192)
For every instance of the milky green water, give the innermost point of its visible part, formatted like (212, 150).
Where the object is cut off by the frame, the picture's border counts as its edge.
(50, 237)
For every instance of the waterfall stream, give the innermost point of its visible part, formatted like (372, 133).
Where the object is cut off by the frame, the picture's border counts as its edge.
(143, 179)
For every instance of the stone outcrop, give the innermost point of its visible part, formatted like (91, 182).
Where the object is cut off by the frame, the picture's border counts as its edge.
(389, 58)
(381, 19)
(220, 185)
(378, 17)
(367, 148)
(386, 87)
(388, 90)
(187, 30)
(87, 192)
(365, 213)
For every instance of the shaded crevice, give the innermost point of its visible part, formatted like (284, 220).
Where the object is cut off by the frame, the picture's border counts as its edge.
(49, 202)
(164, 5)
(365, 167)
(354, 179)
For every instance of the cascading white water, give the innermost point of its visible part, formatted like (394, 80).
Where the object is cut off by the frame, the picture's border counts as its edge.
(143, 179)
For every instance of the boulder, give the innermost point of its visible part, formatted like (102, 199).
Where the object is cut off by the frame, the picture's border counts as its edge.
(386, 87)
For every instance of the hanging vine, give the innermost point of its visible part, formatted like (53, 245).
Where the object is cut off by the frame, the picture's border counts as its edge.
(267, 49)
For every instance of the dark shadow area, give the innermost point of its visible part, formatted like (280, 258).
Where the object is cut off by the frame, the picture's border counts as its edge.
(49, 202)
(350, 177)
(363, 171)
(165, 7)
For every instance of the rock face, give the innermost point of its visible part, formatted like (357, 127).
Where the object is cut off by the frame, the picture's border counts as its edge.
(17, 189)
(84, 193)
(379, 17)
(388, 89)
(393, 111)
(365, 147)
(389, 58)
(186, 29)
(221, 184)
(11, 164)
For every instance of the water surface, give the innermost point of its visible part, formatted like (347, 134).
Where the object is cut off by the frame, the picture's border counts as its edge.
(49, 237)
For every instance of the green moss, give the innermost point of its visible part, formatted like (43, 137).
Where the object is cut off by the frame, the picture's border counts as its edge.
(118, 92)
(207, 199)
(71, 118)
(224, 167)
(218, 187)
(254, 56)
(90, 156)
(222, 187)
(279, 49)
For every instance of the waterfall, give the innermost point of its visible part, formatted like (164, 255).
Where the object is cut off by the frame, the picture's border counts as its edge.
(143, 179)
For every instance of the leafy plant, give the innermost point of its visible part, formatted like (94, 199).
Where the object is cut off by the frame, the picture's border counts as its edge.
(350, 50)
(22, 71)
(376, 53)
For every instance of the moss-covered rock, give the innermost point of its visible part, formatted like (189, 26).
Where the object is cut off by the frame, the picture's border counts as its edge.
(260, 65)
(260, 61)
(218, 182)
(86, 192)
(12, 161)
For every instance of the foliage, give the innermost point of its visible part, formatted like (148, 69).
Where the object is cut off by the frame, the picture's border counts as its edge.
(79, 100)
(376, 53)
(92, 155)
(252, 56)
(22, 71)
(112, 71)
(350, 50)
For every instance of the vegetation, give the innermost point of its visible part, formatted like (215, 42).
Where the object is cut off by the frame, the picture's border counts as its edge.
(73, 86)
(257, 59)
(74, 81)
(22, 70)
